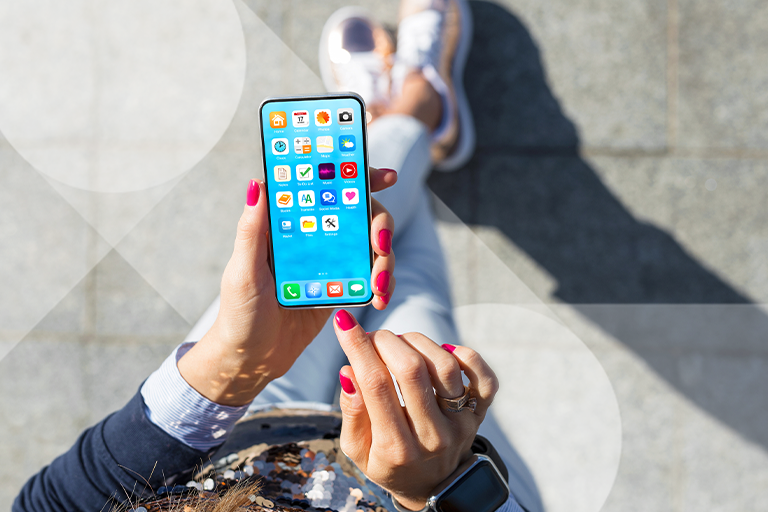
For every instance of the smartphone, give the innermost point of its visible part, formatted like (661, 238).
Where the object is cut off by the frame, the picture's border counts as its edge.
(315, 155)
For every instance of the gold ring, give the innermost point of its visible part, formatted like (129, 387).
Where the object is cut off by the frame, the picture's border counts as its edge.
(465, 401)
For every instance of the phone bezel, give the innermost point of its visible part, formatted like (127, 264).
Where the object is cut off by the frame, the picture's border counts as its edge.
(318, 97)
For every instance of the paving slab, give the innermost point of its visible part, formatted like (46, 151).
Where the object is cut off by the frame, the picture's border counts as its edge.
(723, 80)
(604, 61)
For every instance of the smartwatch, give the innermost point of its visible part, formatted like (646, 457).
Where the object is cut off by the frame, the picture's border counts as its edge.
(477, 485)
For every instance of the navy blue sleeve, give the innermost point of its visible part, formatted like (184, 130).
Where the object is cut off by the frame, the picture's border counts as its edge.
(110, 459)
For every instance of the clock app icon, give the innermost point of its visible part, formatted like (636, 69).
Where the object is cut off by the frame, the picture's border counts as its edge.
(280, 146)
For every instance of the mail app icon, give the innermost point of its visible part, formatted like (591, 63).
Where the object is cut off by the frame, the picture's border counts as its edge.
(335, 289)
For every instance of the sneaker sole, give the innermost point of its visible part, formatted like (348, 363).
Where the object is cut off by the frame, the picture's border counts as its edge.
(465, 146)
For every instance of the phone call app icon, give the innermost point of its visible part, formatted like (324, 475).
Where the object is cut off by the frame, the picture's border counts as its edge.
(350, 196)
(306, 198)
(348, 170)
(328, 198)
(302, 145)
(304, 172)
(300, 118)
(278, 120)
(324, 144)
(308, 224)
(323, 117)
(291, 291)
(284, 199)
(282, 173)
(327, 171)
(335, 289)
(279, 146)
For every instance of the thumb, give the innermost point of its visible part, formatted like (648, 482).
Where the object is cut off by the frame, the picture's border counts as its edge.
(355, 436)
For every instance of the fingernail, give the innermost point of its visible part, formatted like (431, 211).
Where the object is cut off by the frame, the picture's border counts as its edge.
(387, 169)
(449, 348)
(346, 384)
(253, 193)
(385, 299)
(385, 240)
(344, 320)
(382, 281)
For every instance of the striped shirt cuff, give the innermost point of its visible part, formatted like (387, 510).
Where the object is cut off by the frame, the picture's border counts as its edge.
(178, 409)
(510, 506)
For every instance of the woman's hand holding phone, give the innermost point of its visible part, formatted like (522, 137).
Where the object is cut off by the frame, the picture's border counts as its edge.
(253, 340)
(408, 450)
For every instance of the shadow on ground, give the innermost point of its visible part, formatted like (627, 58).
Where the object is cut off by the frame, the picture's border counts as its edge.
(528, 181)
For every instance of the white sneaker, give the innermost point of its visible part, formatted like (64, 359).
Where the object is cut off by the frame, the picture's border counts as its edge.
(434, 36)
(356, 55)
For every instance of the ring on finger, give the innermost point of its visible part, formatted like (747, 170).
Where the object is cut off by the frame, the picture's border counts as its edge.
(458, 404)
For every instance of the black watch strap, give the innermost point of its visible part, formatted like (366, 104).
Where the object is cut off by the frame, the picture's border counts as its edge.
(482, 446)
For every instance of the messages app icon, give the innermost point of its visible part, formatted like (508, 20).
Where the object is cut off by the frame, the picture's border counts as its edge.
(356, 288)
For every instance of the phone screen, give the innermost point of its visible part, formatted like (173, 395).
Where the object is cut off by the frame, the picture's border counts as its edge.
(316, 175)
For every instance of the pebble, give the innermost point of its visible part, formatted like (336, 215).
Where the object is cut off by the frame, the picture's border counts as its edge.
(232, 457)
(139, 509)
(209, 484)
(196, 485)
(229, 474)
(248, 470)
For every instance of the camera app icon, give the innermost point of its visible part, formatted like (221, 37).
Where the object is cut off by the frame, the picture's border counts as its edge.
(346, 115)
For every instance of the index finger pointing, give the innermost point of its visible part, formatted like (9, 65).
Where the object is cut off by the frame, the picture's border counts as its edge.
(373, 378)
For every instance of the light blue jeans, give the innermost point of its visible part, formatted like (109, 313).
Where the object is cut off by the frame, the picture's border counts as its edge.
(420, 303)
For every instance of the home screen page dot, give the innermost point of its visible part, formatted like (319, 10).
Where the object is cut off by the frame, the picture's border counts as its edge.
(317, 181)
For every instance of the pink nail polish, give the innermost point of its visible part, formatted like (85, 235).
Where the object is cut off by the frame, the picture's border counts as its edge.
(385, 298)
(385, 240)
(449, 348)
(346, 384)
(344, 320)
(253, 193)
(382, 282)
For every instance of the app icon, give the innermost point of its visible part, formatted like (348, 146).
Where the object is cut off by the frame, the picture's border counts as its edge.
(285, 224)
(313, 290)
(282, 173)
(323, 117)
(327, 171)
(324, 144)
(278, 120)
(279, 146)
(348, 170)
(304, 172)
(350, 196)
(328, 198)
(284, 199)
(330, 222)
(306, 198)
(308, 224)
(346, 115)
(346, 143)
(356, 288)
(302, 145)
(291, 291)
(335, 289)
(300, 118)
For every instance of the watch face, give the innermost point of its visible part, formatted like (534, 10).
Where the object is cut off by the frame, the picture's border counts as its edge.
(479, 490)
